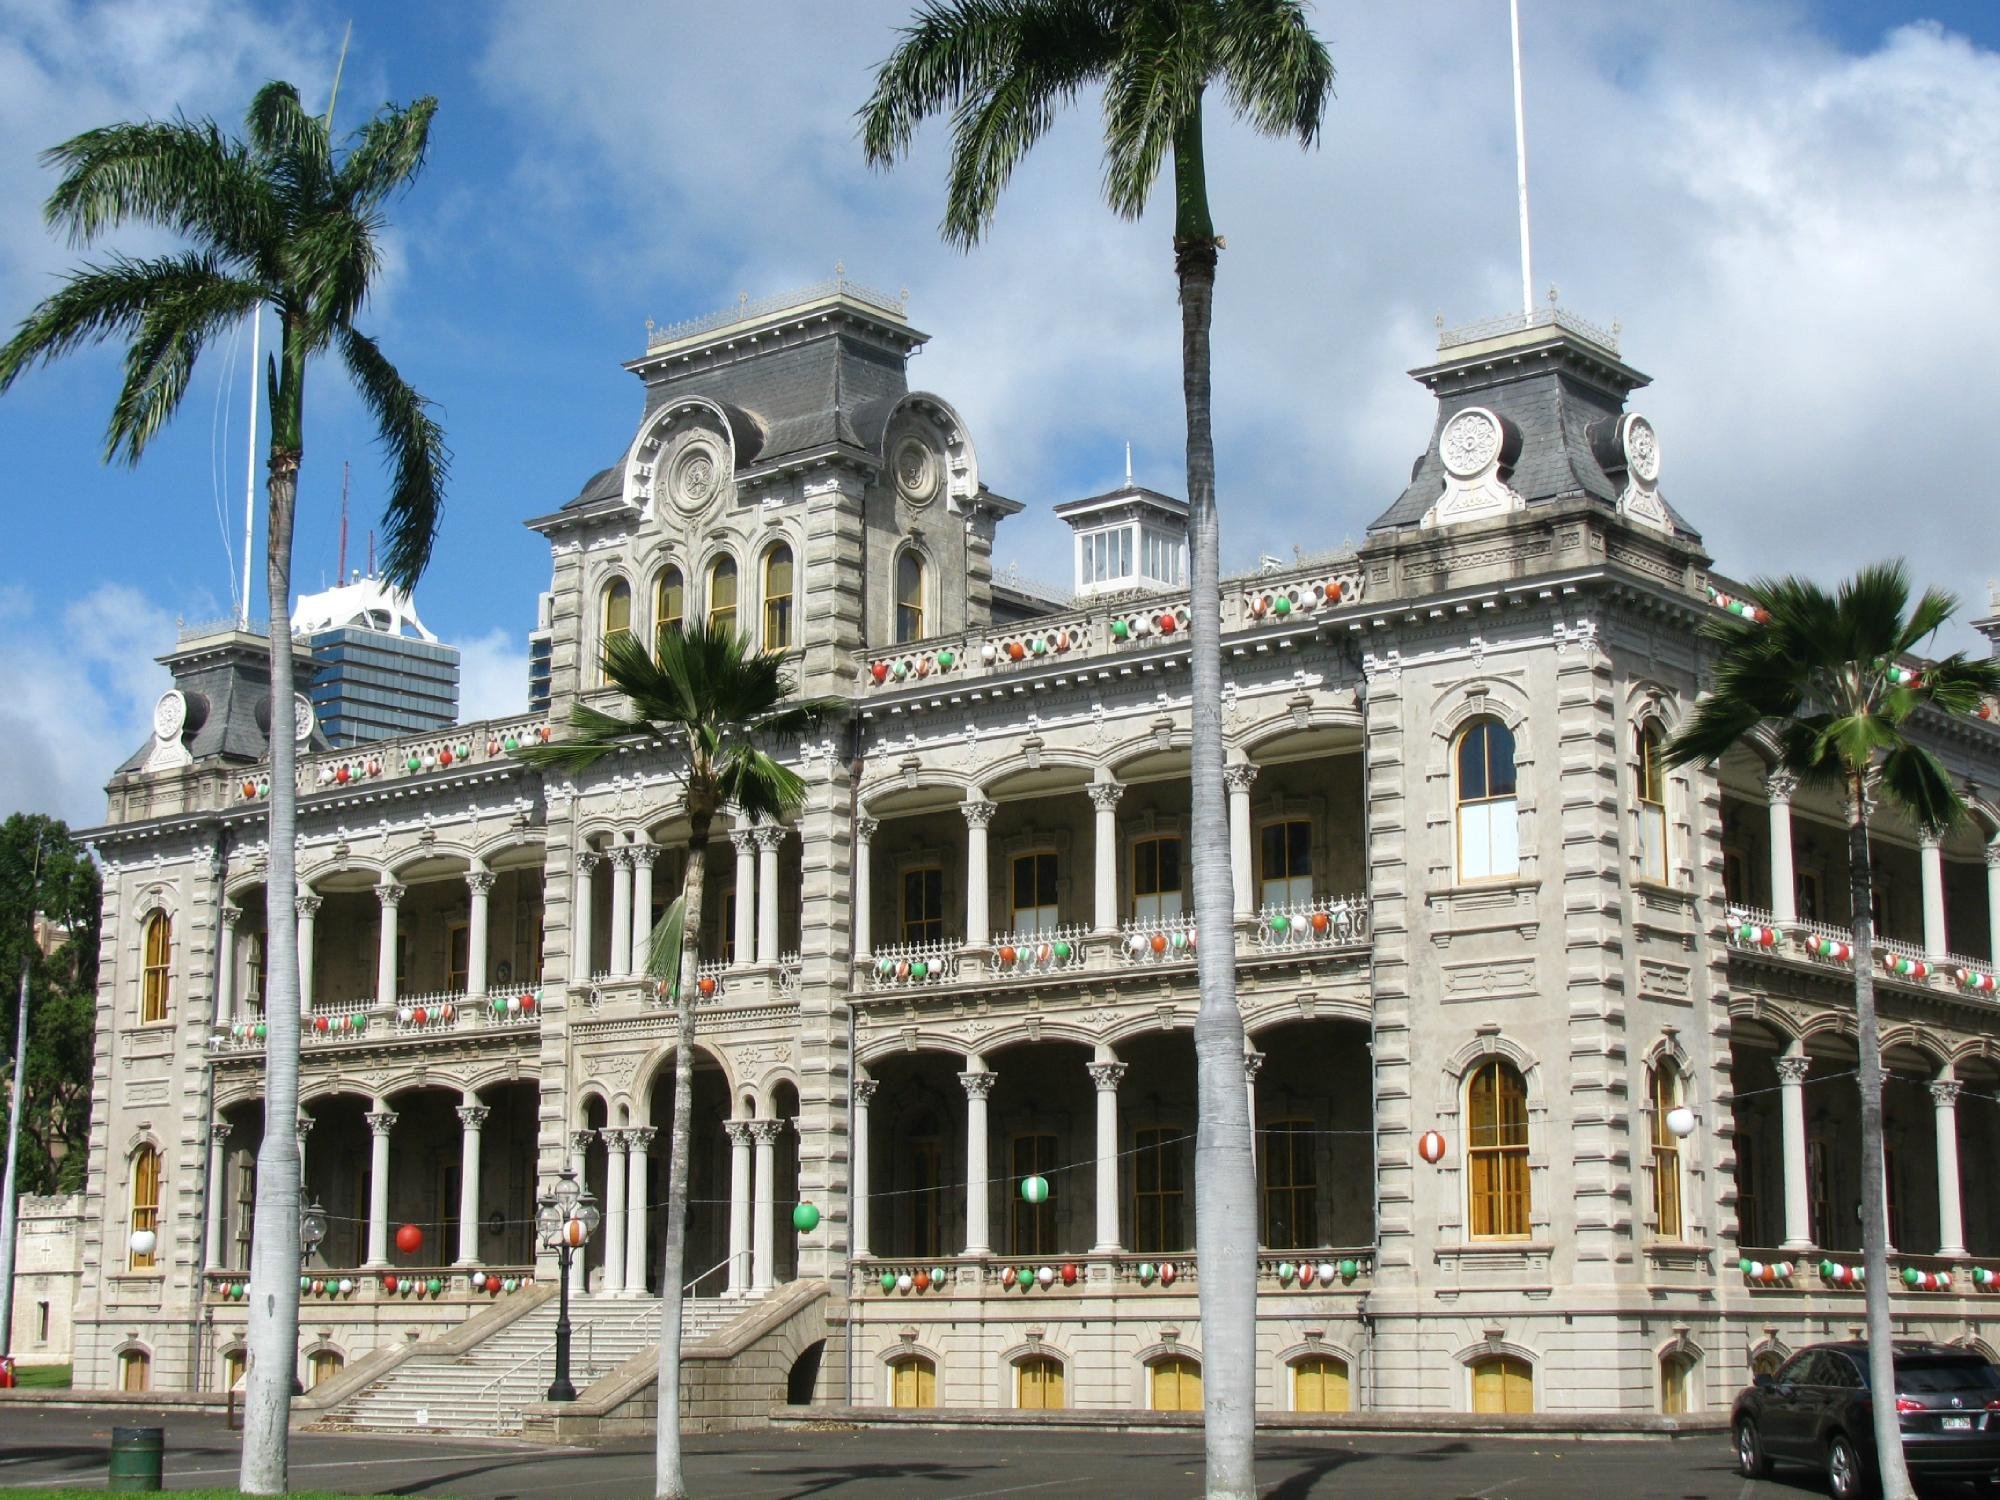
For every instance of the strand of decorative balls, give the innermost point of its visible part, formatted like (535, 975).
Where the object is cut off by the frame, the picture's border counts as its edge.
(1902, 965)
(368, 767)
(1846, 1274)
(419, 1017)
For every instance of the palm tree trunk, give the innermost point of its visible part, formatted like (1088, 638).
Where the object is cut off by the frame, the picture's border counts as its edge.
(273, 1336)
(1874, 1206)
(1225, 1190)
(669, 1482)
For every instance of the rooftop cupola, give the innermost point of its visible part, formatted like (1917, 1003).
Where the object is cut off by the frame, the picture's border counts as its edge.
(1130, 538)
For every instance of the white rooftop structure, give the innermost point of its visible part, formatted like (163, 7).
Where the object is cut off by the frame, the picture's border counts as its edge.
(368, 603)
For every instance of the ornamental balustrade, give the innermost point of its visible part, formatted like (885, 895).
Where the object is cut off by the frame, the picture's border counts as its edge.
(1316, 1269)
(1752, 929)
(457, 1285)
(906, 966)
(387, 760)
(1815, 1273)
(1322, 922)
(1157, 940)
(1017, 955)
(1115, 625)
(411, 1016)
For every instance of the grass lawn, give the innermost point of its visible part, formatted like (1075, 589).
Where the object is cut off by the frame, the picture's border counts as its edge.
(42, 1377)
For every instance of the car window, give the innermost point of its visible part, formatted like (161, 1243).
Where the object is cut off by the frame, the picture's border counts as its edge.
(1946, 1376)
(1838, 1371)
(1792, 1371)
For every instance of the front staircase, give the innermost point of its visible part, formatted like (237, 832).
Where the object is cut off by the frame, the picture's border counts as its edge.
(484, 1388)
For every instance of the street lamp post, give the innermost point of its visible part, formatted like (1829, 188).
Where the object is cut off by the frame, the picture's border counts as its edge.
(312, 1229)
(566, 1214)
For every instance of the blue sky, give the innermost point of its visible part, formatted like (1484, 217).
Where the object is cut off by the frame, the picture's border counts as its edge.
(1789, 208)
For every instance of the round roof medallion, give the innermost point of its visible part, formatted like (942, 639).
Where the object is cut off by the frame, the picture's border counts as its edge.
(696, 476)
(916, 470)
(302, 718)
(170, 715)
(1642, 448)
(1470, 442)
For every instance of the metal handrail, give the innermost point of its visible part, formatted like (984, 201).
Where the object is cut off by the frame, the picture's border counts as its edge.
(588, 1363)
(687, 1290)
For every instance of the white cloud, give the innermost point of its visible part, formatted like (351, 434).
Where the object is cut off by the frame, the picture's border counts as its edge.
(1795, 239)
(492, 676)
(77, 687)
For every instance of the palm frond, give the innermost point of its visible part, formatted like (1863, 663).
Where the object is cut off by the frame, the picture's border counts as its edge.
(387, 155)
(1153, 88)
(331, 260)
(1932, 610)
(295, 152)
(161, 358)
(1278, 74)
(417, 456)
(183, 175)
(596, 735)
(1914, 779)
(1873, 605)
(757, 785)
(1958, 682)
(663, 948)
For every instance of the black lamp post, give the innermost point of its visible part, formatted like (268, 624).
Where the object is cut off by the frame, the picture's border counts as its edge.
(566, 1214)
(312, 1230)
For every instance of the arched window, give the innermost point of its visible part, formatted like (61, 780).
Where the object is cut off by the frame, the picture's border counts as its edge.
(614, 619)
(1664, 1092)
(1319, 1383)
(145, 1205)
(910, 623)
(135, 1370)
(1496, 1149)
(157, 974)
(1502, 1383)
(1174, 1383)
(324, 1365)
(913, 1382)
(1652, 804)
(669, 600)
(722, 593)
(1038, 1383)
(1676, 1383)
(778, 598)
(1488, 825)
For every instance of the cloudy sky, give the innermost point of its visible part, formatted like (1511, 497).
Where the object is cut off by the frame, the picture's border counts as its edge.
(1788, 208)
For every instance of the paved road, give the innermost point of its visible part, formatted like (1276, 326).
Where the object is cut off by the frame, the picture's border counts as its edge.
(67, 1448)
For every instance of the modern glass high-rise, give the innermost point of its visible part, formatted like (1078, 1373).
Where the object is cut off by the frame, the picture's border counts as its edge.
(377, 671)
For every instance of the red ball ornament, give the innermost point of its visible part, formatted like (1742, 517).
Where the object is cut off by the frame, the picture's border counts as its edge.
(444, 757)
(1168, 625)
(527, 1003)
(1015, 650)
(319, 1024)
(1069, 1273)
(706, 984)
(1430, 1146)
(409, 1239)
(879, 671)
(1321, 921)
(1159, 943)
(389, 1283)
(341, 776)
(421, 1016)
(1007, 955)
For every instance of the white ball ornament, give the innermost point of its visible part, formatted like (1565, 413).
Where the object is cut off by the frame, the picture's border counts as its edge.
(1680, 1120)
(988, 653)
(1326, 1272)
(905, 1281)
(144, 1242)
(404, 1014)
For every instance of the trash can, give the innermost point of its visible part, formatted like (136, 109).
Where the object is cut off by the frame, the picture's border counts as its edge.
(135, 1458)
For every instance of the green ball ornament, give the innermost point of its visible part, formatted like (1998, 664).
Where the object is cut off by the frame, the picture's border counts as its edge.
(1826, 1269)
(1280, 922)
(885, 967)
(434, 1286)
(1282, 605)
(1911, 1276)
(1120, 630)
(1349, 1269)
(887, 1281)
(1286, 1271)
(262, 1031)
(1063, 952)
(920, 970)
(1034, 1190)
(947, 658)
(1147, 1271)
(1743, 1265)
(805, 1218)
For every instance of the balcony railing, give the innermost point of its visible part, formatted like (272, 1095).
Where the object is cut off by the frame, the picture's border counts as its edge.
(445, 1012)
(1018, 954)
(1323, 922)
(1128, 1272)
(1823, 945)
(912, 966)
(1158, 940)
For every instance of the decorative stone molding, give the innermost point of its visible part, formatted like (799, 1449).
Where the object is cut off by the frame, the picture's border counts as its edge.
(1792, 1070)
(389, 894)
(865, 1089)
(639, 1137)
(381, 1121)
(1107, 1076)
(1475, 446)
(978, 812)
(1253, 1064)
(977, 1085)
(473, 1116)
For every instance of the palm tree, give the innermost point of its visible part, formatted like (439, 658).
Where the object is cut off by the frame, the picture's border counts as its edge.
(1824, 673)
(276, 218)
(714, 698)
(1000, 69)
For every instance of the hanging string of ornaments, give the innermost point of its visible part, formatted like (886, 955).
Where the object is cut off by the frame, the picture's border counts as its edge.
(362, 767)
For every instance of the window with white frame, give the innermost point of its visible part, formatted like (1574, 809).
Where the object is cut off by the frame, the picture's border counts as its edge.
(1652, 804)
(1035, 892)
(1158, 888)
(1488, 812)
(1105, 556)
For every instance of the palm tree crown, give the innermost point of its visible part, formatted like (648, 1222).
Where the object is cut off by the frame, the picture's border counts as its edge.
(276, 219)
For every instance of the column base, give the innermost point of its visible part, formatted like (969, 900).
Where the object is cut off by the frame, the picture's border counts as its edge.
(1953, 1252)
(1798, 1245)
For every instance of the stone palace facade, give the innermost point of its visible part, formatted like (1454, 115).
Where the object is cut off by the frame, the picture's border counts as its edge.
(1470, 901)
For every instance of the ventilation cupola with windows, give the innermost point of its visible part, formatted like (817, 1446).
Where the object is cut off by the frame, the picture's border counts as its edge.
(1132, 538)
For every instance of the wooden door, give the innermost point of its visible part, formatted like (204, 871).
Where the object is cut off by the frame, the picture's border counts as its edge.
(1319, 1383)
(1176, 1384)
(1040, 1384)
(915, 1383)
(1503, 1384)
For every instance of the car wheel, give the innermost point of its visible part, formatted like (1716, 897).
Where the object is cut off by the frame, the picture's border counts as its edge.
(1846, 1479)
(1751, 1462)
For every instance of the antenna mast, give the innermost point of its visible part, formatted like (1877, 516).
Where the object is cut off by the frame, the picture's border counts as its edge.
(1521, 166)
(340, 577)
(250, 468)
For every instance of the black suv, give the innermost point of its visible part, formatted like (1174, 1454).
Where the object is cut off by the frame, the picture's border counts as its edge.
(1816, 1410)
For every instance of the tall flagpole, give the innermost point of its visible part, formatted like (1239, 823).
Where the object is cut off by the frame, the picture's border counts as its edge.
(1521, 166)
(250, 467)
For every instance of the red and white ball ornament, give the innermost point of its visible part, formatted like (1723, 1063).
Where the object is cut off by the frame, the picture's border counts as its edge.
(1430, 1146)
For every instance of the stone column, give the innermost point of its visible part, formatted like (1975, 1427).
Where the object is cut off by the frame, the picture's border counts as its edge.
(471, 1117)
(978, 1084)
(1778, 789)
(211, 1245)
(857, 1171)
(744, 930)
(862, 918)
(1792, 1072)
(1993, 900)
(1252, 1063)
(479, 883)
(391, 897)
(1930, 856)
(307, 907)
(763, 1259)
(579, 1143)
(227, 917)
(1106, 1076)
(978, 905)
(582, 916)
(1242, 855)
(769, 837)
(614, 1211)
(637, 1140)
(643, 856)
(1104, 797)
(381, 1120)
(739, 1206)
(620, 964)
(1951, 1213)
